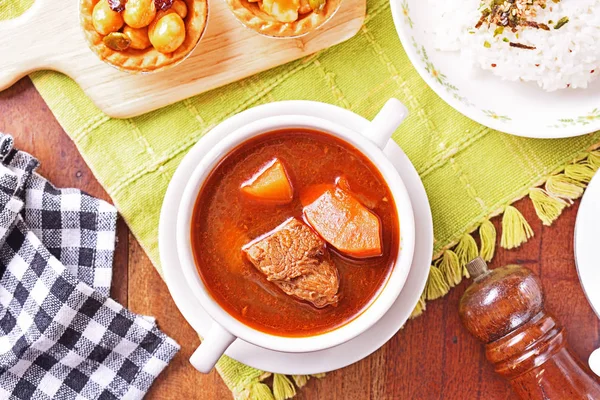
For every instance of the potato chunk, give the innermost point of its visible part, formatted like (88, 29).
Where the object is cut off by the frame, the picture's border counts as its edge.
(270, 184)
(345, 223)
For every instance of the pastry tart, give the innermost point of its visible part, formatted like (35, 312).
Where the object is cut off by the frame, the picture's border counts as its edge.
(143, 35)
(283, 18)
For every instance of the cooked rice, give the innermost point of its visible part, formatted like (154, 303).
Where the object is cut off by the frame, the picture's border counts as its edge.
(562, 58)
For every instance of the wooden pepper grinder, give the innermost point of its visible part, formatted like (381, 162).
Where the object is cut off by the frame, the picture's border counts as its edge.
(504, 308)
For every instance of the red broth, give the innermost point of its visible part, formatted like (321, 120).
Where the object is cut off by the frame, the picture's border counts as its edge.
(224, 220)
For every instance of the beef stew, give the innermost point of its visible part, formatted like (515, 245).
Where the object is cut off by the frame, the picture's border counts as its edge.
(267, 257)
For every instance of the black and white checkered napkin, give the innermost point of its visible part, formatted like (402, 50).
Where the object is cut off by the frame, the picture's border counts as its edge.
(61, 337)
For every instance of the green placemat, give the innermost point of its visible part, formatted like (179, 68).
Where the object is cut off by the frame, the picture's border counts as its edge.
(471, 173)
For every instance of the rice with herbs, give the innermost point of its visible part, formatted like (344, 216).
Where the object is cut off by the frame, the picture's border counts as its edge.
(555, 43)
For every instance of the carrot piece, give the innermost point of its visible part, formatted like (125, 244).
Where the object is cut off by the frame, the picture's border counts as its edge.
(345, 223)
(270, 184)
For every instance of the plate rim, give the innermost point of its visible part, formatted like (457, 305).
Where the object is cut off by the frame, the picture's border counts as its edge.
(315, 362)
(565, 132)
(593, 189)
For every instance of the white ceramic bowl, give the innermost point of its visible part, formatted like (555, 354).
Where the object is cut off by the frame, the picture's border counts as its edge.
(226, 328)
(284, 362)
(517, 108)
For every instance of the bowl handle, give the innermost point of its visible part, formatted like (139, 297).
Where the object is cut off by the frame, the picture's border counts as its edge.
(386, 122)
(212, 348)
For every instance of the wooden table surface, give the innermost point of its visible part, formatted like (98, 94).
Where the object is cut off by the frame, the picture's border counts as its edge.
(433, 357)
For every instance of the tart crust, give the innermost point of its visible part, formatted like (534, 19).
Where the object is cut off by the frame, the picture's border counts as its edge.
(250, 14)
(150, 59)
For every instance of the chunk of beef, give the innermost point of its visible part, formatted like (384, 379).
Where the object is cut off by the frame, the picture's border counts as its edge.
(294, 258)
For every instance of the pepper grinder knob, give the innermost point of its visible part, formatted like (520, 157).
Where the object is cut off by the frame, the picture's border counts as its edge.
(499, 301)
(504, 308)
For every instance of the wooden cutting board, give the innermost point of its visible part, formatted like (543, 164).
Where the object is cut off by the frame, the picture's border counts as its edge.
(48, 36)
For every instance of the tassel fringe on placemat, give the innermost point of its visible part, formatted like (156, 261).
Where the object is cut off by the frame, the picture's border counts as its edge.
(248, 383)
(549, 199)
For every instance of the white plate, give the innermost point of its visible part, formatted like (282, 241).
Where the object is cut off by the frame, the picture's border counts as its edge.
(295, 363)
(518, 108)
(587, 242)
